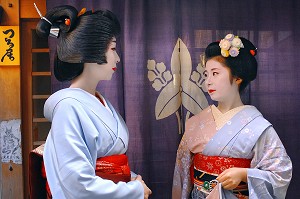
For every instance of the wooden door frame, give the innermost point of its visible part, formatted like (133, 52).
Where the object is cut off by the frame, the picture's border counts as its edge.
(26, 95)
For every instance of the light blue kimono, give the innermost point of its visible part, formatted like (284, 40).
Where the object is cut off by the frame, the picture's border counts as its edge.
(246, 135)
(83, 130)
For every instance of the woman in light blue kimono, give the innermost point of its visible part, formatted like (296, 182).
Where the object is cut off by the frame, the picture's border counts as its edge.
(84, 151)
(230, 150)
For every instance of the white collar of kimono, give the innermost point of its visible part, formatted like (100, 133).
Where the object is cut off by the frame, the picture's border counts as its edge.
(222, 118)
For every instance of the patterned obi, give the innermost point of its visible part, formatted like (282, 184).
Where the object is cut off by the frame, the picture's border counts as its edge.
(113, 168)
(207, 168)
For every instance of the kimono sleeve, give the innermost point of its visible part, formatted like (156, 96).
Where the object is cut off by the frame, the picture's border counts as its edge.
(71, 161)
(182, 184)
(271, 167)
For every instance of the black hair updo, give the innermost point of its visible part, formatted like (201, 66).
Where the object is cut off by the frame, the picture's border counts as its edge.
(84, 39)
(244, 65)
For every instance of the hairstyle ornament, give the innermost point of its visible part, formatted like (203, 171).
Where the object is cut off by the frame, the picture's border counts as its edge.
(54, 31)
(82, 11)
(253, 52)
(39, 12)
(67, 21)
(230, 45)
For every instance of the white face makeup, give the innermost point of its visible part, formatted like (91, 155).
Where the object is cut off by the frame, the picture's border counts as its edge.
(112, 59)
(218, 83)
(97, 72)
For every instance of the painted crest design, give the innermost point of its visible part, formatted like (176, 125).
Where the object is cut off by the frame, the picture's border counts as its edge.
(179, 87)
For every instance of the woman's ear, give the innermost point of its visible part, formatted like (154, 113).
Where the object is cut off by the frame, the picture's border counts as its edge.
(238, 81)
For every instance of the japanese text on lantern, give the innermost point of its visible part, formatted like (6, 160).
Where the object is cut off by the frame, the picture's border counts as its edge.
(9, 45)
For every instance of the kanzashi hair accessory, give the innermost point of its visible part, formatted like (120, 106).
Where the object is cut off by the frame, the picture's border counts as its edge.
(253, 52)
(54, 31)
(230, 45)
(67, 21)
(39, 12)
(82, 11)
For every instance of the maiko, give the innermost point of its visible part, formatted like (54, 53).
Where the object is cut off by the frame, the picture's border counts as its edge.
(9, 51)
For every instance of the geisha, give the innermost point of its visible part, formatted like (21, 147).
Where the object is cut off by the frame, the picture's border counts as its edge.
(230, 150)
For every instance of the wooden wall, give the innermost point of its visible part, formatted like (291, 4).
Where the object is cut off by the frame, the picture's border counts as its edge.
(27, 9)
(11, 175)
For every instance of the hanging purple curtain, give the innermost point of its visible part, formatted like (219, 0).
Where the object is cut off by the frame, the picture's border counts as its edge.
(159, 82)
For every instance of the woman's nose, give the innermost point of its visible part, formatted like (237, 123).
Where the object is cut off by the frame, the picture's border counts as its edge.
(208, 80)
(117, 58)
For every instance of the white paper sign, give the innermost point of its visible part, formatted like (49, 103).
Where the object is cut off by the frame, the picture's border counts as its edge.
(10, 141)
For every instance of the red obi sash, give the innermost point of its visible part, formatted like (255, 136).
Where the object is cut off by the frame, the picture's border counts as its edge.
(205, 170)
(218, 164)
(115, 168)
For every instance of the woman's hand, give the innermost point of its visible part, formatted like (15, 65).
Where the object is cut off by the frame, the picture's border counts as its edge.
(147, 191)
(231, 178)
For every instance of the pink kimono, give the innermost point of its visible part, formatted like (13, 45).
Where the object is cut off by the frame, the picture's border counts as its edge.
(246, 135)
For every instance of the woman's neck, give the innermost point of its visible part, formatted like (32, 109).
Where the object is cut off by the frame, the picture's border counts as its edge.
(85, 84)
(227, 106)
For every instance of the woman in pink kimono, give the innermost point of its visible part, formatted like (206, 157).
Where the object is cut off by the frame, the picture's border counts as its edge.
(230, 150)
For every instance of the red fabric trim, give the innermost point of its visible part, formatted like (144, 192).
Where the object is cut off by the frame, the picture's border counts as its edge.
(43, 173)
(113, 168)
(217, 164)
(100, 99)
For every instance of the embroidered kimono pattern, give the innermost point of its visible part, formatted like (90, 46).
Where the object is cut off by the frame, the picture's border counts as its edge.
(83, 130)
(246, 135)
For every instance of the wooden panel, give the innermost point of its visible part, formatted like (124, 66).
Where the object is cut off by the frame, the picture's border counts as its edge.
(40, 50)
(41, 73)
(40, 96)
(10, 92)
(27, 9)
(39, 120)
(26, 61)
(11, 12)
(30, 70)
(12, 185)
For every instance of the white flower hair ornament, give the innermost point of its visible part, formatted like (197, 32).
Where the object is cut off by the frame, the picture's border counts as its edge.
(230, 45)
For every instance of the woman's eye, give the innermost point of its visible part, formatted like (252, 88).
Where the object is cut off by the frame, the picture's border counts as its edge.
(215, 73)
(113, 49)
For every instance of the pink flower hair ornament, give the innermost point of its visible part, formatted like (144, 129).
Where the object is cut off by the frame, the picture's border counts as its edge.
(230, 45)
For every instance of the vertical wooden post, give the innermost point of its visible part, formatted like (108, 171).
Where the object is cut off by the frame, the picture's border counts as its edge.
(11, 177)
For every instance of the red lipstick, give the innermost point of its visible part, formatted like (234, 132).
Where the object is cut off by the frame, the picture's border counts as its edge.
(211, 91)
(114, 69)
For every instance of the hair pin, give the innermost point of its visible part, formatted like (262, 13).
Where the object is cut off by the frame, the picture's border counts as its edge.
(67, 21)
(253, 52)
(42, 17)
(82, 11)
(54, 32)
